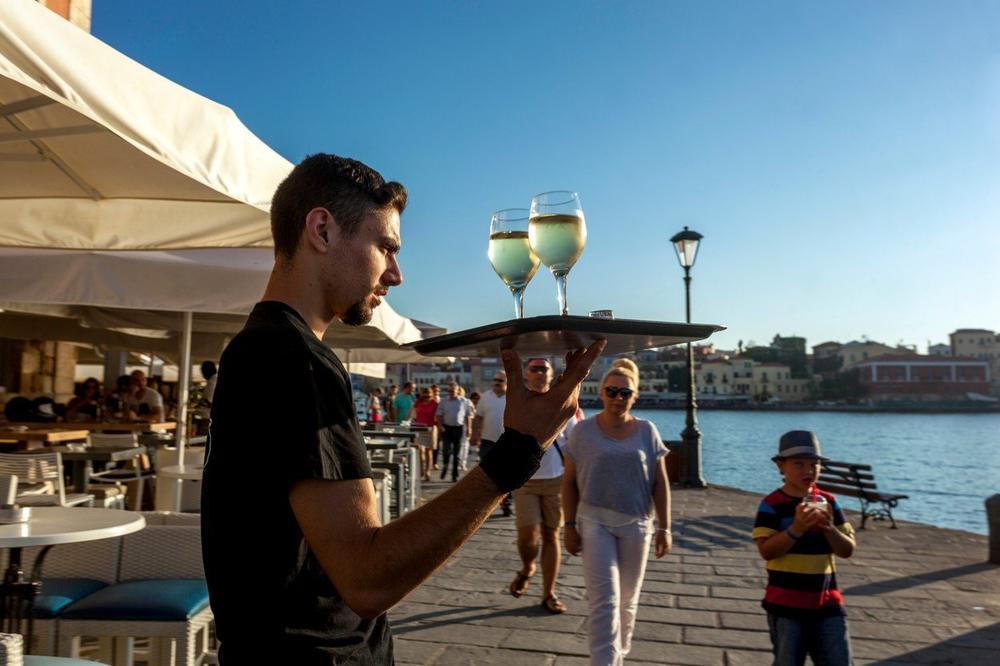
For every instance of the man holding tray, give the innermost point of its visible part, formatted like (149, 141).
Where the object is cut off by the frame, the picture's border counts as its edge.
(299, 568)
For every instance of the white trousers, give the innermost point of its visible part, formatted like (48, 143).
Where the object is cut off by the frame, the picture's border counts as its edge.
(614, 563)
(463, 455)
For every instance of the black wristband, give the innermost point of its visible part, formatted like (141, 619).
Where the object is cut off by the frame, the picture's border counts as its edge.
(512, 460)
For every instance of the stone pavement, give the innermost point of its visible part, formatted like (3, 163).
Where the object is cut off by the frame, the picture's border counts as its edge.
(917, 594)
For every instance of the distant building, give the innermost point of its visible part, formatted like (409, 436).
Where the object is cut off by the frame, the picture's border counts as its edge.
(855, 352)
(922, 380)
(980, 343)
(939, 350)
(826, 350)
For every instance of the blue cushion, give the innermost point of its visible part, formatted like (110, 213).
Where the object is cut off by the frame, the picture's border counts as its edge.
(58, 593)
(160, 600)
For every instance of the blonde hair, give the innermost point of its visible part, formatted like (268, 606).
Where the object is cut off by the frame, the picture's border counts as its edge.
(623, 367)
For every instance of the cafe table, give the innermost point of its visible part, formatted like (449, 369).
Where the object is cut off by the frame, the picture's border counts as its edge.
(34, 438)
(48, 527)
(180, 475)
(103, 426)
(81, 458)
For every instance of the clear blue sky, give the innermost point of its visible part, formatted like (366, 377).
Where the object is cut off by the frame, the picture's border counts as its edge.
(841, 159)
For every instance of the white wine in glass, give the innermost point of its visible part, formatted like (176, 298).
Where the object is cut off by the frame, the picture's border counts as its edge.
(557, 233)
(510, 253)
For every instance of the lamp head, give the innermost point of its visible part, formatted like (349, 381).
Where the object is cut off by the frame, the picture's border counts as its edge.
(686, 244)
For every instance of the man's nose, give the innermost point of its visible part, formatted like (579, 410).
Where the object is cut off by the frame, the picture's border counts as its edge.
(393, 275)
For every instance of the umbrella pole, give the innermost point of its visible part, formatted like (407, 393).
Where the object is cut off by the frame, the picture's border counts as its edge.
(183, 386)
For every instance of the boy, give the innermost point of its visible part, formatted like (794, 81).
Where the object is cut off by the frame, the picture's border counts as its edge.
(798, 539)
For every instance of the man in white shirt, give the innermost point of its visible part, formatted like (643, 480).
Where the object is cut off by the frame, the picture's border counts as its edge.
(538, 505)
(142, 402)
(487, 425)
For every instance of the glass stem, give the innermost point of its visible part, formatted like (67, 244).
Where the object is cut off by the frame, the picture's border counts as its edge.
(561, 292)
(518, 302)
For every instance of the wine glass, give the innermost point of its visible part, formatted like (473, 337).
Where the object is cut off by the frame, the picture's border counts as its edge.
(557, 233)
(511, 254)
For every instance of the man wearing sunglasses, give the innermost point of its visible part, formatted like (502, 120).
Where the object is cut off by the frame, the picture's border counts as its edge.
(538, 505)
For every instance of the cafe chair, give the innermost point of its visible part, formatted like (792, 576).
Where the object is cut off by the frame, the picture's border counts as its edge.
(40, 480)
(160, 593)
(132, 475)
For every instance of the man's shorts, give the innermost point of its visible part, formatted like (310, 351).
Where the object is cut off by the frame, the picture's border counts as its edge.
(537, 502)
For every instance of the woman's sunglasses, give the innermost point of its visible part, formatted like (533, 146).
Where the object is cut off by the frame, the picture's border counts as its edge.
(614, 392)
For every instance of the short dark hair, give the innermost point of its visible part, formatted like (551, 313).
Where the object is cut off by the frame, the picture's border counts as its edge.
(347, 188)
(208, 369)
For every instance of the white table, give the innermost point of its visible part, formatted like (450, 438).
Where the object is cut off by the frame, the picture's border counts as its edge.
(179, 474)
(52, 526)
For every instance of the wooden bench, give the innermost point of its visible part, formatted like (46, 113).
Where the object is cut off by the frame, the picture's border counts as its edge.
(854, 480)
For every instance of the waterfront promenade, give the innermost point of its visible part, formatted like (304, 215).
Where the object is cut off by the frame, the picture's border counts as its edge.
(917, 594)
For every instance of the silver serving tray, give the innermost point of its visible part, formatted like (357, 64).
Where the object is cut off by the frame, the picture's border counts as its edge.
(551, 335)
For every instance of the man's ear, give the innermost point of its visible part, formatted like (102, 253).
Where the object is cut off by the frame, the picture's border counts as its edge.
(320, 229)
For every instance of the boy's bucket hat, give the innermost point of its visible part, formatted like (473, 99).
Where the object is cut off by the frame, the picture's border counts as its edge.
(799, 444)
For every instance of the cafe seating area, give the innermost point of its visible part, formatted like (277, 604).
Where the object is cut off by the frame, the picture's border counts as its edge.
(140, 596)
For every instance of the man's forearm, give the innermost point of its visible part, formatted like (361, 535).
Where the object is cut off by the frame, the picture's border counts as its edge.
(407, 551)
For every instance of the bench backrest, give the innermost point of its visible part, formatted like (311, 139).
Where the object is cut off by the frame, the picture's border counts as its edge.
(849, 479)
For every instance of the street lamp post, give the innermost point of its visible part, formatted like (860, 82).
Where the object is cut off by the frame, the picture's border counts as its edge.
(686, 244)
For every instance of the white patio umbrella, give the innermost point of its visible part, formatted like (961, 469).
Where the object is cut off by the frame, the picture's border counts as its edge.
(115, 180)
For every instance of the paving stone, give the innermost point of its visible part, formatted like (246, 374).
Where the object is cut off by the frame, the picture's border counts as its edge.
(731, 638)
(463, 655)
(727, 592)
(891, 631)
(749, 658)
(667, 653)
(716, 604)
(416, 652)
(675, 588)
(678, 616)
(656, 631)
(752, 621)
(558, 643)
(466, 633)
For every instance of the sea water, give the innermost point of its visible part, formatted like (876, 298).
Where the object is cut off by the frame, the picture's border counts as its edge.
(947, 463)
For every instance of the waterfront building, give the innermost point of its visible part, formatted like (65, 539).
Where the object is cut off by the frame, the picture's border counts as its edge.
(914, 380)
(854, 352)
(940, 350)
(980, 343)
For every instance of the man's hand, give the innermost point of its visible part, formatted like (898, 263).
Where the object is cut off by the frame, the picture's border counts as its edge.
(544, 415)
(572, 540)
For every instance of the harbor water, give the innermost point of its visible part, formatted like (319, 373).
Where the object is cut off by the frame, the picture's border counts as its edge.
(947, 463)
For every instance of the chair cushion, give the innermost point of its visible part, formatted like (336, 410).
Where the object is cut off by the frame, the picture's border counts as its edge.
(58, 593)
(160, 600)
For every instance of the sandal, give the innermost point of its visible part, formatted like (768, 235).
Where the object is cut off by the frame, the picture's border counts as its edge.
(552, 604)
(519, 585)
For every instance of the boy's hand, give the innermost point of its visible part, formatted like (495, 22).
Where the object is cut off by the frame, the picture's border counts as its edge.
(803, 519)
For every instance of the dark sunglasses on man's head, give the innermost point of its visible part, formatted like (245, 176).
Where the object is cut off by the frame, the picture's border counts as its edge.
(614, 392)
(538, 368)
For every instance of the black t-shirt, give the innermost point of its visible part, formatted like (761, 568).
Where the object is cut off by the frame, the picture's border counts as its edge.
(283, 411)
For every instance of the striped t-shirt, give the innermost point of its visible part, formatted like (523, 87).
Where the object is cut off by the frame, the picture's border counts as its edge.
(803, 580)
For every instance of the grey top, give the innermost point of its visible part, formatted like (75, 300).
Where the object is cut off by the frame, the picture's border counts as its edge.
(615, 477)
(454, 411)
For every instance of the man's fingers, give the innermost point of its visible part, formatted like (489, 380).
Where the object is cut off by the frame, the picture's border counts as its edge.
(512, 365)
(579, 362)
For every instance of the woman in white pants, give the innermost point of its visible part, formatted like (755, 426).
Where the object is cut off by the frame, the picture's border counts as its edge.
(614, 478)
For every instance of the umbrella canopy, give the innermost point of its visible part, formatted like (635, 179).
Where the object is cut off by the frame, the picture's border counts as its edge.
(99, 152)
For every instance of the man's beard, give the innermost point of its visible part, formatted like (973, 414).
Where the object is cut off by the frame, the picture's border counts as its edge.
(358, 314)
